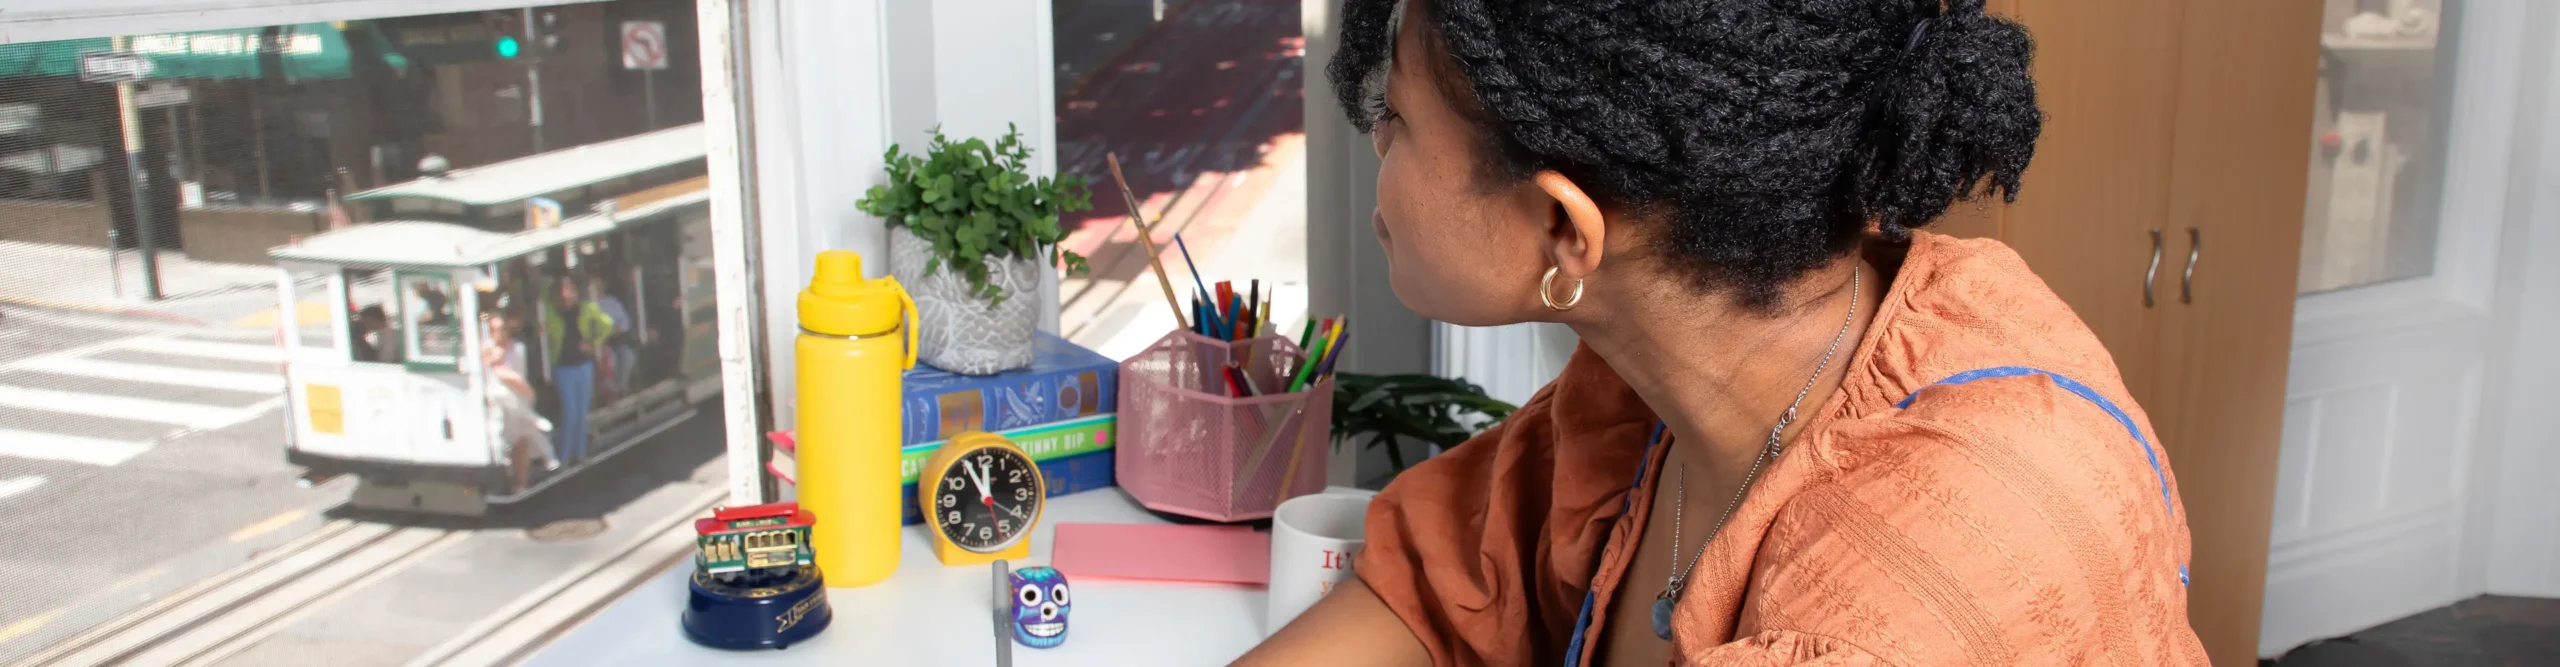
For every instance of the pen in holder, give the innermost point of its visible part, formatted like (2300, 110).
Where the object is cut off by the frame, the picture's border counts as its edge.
(1190, 446)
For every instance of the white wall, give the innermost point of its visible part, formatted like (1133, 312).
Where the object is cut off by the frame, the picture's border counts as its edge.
(1346, 270)
(1510, 362)
(2418, 450)
(835, 84)
(2517, 527)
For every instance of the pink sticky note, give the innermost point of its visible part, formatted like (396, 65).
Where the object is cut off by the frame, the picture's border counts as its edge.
(1211, 554)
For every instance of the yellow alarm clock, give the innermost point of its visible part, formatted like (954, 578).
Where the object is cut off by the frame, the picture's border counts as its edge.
(980, 497)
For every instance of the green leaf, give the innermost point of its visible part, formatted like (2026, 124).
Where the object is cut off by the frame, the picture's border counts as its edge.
(974, 199)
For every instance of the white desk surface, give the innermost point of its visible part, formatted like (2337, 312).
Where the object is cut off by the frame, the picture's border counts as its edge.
(929, 614)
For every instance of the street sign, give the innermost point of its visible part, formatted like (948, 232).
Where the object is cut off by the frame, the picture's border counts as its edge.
(162, 94)
(455, 38)
(111, 67)
(644, 45)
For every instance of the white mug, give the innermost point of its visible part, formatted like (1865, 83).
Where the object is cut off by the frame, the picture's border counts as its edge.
(1313, 539)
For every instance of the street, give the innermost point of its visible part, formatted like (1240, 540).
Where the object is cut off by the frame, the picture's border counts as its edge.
(1205, 112)
(129, 442)
(142, 467)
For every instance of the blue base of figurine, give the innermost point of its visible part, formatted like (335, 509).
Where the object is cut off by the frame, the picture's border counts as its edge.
(773, 616)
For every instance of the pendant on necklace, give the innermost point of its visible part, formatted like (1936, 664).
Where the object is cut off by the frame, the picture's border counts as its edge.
(1662, 617)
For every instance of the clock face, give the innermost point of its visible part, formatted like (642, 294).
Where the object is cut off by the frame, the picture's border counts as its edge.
(987, 499)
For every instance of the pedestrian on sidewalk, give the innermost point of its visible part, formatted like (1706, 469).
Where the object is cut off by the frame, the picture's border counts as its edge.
(573, 367)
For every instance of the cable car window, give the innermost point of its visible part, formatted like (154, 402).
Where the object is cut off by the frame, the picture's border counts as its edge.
(314, 329)
(434, 334)
(373, 318)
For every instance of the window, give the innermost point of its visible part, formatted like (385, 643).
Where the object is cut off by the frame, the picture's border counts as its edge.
(391, 381)
(374, 324)
(2378, 158)
(433, 333)
(316, 325)
(1203, 102)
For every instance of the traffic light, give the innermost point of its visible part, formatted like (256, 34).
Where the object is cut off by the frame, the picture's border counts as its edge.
(503, 28)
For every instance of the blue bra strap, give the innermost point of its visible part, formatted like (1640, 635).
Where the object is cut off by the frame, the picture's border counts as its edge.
(2083, 391)
(1582, 623)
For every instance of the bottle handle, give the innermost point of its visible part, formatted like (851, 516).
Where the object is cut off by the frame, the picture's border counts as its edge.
(907, 320)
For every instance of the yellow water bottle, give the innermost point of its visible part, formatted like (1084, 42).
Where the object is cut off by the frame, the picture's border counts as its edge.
(857, 339)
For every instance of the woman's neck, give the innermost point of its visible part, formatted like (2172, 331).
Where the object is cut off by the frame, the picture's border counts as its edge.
(1720, 377)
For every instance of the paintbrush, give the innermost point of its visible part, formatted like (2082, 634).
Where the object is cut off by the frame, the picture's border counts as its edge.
(1146, 238)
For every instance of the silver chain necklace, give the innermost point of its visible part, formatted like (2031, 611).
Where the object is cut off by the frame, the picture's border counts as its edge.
(1670, 596)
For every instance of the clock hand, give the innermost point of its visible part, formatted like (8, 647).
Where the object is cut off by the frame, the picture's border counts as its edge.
(980, 476)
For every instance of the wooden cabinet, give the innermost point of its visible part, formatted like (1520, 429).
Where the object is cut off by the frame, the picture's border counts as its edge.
(2165, 205)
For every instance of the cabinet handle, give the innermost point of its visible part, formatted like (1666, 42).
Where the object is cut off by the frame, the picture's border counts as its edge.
(2149, 274)
(2187, 284)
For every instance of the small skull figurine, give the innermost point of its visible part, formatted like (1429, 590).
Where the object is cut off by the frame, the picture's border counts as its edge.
(1040, 606)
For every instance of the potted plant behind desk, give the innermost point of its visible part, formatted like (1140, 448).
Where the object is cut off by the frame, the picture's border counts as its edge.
(1390, 410)
(970, 230)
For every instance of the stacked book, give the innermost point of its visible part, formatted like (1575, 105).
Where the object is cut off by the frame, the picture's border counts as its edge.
(1061, 410)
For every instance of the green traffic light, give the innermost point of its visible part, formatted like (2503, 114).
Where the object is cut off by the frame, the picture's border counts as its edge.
(507, 47)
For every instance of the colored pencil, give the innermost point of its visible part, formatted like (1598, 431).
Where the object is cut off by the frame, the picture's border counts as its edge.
(1314, 356)
(1235, 317)
(1335, 354)
(1186, 261)
(1209, 313)
(1289, 475)
(1146, 238)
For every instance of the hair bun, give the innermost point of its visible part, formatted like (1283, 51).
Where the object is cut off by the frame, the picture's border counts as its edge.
(1955, 119)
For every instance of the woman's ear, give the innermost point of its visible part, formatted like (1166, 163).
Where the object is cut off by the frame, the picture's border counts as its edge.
(1577, 232)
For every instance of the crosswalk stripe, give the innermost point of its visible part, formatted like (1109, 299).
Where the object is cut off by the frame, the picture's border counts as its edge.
(197, 348)
(17, 485)
(118, 407)
(117, 370)
(50, 447)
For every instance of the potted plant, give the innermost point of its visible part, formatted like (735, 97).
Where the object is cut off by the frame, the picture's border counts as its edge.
(970, 230)
(1389, 410)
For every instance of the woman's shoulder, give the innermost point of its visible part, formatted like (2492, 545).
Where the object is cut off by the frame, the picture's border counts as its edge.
(2024, 518)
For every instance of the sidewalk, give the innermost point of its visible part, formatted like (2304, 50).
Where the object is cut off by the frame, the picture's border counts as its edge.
(62, 277)
(1254, 228)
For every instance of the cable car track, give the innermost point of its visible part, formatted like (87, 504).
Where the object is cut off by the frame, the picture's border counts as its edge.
(222, 615)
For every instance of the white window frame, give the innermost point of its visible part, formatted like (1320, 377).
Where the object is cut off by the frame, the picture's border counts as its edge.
(2489, 54)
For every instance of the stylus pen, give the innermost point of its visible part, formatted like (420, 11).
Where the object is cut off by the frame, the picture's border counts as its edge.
(1003, 615)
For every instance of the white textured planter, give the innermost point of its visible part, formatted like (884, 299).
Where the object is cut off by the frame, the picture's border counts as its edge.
(956, 331)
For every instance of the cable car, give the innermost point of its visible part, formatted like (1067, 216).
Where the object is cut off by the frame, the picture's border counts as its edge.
(758, 540)
(450, 360)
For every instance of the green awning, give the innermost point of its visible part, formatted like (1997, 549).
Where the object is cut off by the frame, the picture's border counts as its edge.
(310, 51)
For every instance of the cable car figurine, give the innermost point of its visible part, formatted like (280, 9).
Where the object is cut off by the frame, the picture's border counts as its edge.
(755, 582)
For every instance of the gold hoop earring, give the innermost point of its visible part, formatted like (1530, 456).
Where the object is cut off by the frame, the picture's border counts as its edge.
(1547, 291)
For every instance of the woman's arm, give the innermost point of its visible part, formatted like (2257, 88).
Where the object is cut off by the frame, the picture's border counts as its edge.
(1350, 628)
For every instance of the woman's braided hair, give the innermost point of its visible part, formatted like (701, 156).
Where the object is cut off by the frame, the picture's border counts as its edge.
(1767, 133)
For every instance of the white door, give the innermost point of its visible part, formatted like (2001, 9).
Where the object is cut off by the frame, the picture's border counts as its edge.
(2397, 334)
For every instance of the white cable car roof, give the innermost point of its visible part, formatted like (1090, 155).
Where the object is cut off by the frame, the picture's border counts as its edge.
(414, 243)
(555, 171)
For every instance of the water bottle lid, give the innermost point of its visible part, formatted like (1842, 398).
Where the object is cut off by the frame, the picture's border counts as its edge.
(840, 302)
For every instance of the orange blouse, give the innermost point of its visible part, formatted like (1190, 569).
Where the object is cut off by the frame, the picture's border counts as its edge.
(1980, 491)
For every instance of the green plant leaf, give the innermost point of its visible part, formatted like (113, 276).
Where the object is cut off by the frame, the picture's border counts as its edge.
(975, 199)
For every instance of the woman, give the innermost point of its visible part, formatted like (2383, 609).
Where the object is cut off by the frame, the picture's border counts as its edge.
(574, 335)
(511, 400)
(1799, 430)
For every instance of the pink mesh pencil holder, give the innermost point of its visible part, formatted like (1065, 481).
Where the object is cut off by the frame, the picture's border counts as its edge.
(1186, 447)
